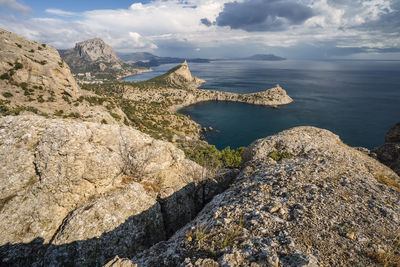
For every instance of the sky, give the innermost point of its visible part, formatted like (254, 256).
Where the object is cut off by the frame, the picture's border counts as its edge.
(295, 29)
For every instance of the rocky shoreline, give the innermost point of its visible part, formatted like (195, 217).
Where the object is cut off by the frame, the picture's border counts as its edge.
(182, 89)
(273, 97)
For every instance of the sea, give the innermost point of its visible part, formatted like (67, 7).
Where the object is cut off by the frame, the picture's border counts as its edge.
(357, 100)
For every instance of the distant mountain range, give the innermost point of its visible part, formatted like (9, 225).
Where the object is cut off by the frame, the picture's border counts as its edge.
(258, 57)
(145, 59)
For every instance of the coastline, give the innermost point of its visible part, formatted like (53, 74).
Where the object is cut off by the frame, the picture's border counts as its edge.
(139, 71)
(272, 97)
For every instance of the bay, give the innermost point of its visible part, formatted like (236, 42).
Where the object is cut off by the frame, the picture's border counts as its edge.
(358, 100)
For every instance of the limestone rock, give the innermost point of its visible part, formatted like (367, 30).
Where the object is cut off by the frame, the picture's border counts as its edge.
(118, 262)
(332, 209)
(389, 152)
(77, 192)
(181, 76)
(23, 61)
(97, 57)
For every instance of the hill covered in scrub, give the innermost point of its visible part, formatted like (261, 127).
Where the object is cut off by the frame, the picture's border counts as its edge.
(111, 174)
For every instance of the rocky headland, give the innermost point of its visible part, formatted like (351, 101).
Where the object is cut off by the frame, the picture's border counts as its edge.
(180, 88)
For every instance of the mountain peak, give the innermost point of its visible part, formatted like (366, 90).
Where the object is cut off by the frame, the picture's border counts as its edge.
(96, 56)
(96, 50)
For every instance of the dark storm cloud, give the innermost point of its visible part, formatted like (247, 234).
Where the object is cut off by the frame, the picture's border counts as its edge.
(206, 22)
(263, 15)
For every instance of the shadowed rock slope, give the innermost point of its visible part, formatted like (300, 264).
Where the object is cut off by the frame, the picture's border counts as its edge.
(80, 192)
(303, 199)
(389, 152)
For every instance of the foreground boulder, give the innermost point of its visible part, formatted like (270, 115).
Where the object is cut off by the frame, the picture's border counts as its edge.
(80, 193)
(303, 199)
(389, 152)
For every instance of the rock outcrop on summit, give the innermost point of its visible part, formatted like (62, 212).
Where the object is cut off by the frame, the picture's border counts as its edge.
(97, 57)
(303, 199)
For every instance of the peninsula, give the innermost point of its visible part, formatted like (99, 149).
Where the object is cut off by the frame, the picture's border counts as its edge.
(179, 88)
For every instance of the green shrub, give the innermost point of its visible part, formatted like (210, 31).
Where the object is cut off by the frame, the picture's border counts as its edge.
(103, 121)
(210, 157)
(43, 62)
(277, 156)
(75, 115)
(66, 99)
(232, 158)
(5, 76)
(7, 94)
(115, 116)
(40, 99)
(59, 112)
(18, 65)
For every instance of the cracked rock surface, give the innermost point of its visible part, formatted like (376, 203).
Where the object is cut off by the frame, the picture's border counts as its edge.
(303, 199)
(78, 191)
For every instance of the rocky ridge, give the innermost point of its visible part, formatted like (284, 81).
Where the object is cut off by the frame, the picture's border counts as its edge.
(68, 187)
(34, 79)
(303, 199)
(95, 56)
(40, 65)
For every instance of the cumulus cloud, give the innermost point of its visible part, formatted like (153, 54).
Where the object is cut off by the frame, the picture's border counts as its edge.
(14, 5)
(263, 15)
(243, 27)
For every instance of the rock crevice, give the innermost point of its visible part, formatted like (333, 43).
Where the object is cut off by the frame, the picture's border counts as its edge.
(79, 197)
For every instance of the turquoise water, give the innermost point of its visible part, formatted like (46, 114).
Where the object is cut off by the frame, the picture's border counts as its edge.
(358, 100)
